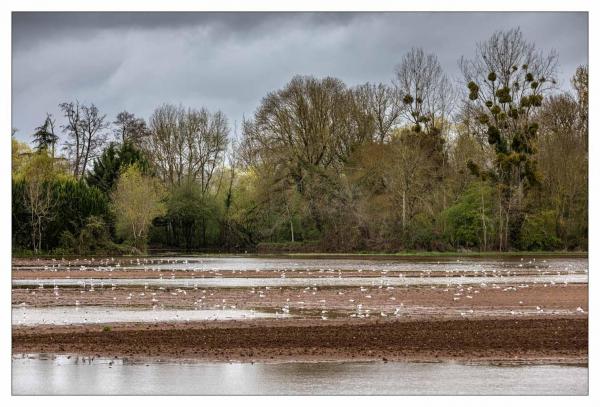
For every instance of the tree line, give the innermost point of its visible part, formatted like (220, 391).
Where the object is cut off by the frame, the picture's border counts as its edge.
(494, 161)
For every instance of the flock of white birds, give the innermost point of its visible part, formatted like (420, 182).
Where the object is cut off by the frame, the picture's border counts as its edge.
(463, 280)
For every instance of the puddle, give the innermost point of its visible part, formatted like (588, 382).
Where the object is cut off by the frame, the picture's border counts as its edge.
(74, 375)
(232, 282)
(26, 316)
(410, 264)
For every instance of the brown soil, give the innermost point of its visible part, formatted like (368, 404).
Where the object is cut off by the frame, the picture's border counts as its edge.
(531, 340)
(432, 330)
(75, 273)
(512, 297)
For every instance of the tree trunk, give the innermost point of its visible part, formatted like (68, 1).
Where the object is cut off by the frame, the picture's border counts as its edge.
(500, 224)
(404, 209)
(483, 222)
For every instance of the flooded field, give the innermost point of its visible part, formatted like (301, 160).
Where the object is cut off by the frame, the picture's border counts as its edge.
(344, 316)
(249, 266)
(73, 375)
(300, 282)
(103, 315)
(313, 261)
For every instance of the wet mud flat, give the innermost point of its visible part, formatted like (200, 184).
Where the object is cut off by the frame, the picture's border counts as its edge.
(447, 299)
(508, 310)
(539, 340)
(305, 266)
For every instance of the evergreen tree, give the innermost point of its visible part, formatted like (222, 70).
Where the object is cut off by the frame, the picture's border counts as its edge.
(108, 166)
(44, 137)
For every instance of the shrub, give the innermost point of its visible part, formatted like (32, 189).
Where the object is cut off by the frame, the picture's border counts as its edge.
(538, 232)
(464, 223)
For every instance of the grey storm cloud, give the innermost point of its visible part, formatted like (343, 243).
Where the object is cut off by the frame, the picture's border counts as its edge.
(229, 61)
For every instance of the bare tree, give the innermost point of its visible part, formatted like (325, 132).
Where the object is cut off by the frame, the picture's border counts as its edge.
(507, 81)
(426, 91)
(563, 160)
(393, 185)
(310, 125)
(303, 134)
(86, 134)
(580, 84)
(165, 144)
(187, 144)
(130, 128)
(383, 103)
(509, 59)
(407, 177)
(233, 161)
(206, 136)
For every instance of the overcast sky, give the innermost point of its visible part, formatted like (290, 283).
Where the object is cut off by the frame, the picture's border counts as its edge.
(229, 61)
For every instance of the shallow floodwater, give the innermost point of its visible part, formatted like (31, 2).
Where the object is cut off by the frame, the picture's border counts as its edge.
(77, 376)
(401, 264)
(100, 315)
(231, 282)
(425, 264)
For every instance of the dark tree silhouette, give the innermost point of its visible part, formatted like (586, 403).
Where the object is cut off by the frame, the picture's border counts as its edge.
(44, 137)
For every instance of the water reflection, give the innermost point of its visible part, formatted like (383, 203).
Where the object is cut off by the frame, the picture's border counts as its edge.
(103, 376)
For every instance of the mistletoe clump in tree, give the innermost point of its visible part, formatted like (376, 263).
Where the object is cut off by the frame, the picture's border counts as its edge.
(506, 83)
(427, 101)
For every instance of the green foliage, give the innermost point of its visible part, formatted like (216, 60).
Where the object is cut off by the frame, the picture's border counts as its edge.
(75, 202)
(191, 218)
(19, 155)
(44, 137)
(465, 219)
(423, 234)
(114, 159)
(67, 244)
(539, 232)
(21, 218)
(316, 172)
(137, 201)
(94, 238)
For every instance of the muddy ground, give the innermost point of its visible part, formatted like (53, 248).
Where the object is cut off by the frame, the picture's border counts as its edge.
(504, 323)
(531, 340)
(500, 297)
(27, 273)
